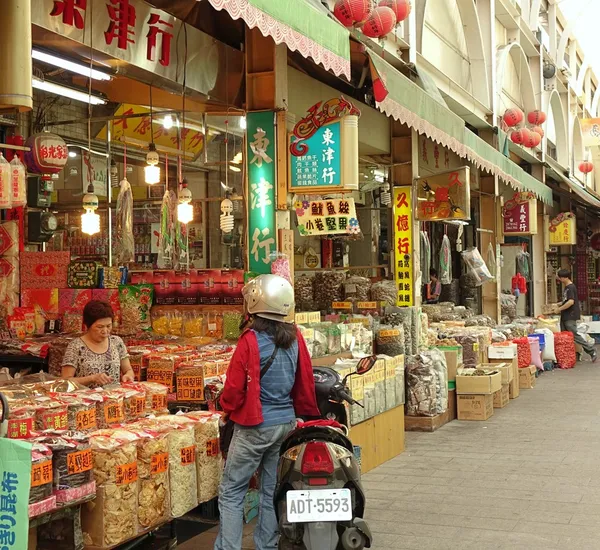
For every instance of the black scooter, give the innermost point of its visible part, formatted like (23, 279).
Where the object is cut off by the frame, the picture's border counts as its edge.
(319, 500)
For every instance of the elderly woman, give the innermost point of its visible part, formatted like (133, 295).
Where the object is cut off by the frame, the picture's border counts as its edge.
(97, 358)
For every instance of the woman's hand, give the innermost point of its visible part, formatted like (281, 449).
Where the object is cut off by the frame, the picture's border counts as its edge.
(101, 379)
(128, 377)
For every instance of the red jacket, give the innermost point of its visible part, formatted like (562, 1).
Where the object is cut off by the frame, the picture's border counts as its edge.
(241, 394)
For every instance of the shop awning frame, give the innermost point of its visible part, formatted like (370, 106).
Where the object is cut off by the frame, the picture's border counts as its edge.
(298, 24)
(404, 101)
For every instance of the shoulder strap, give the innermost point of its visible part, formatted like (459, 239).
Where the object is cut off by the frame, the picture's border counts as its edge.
(264, 370)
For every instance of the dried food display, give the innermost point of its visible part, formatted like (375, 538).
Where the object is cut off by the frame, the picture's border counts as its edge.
(81, 411)
(231, 325)
(523, 351)
(390, 340)
(384, 291)
(156, 397)
(114, 456)
(328, 287)
(110, 410)
(564, 344)
(303, 293)
(357, 289)
(508, 306)
(41, 473)
(426, 384)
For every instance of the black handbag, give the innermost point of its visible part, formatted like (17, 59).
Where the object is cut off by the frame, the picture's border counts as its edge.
(226, 430)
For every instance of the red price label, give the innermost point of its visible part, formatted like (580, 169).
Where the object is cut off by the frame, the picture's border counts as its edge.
(159, 463)
(78, 462)
(20, 428)
(41, 474)
(212, 447)
(55, 420)
(86, 420)
(188, 455)
(127, 473)
(159, 402)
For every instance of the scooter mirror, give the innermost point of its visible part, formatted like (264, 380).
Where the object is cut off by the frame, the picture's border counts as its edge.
(366, 364)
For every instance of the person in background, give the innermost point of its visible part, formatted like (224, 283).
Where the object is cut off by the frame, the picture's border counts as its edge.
(570, 312)
(97, 358)
(263, 409)
(434, 288)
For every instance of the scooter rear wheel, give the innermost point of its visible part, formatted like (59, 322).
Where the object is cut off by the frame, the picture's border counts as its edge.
(353, 539)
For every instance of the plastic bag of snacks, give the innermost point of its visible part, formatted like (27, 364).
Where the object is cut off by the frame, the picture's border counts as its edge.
(384, 291)
(357, 289)
(114, 456)
(564, 346)
(193, 325)
(81, 411)
(110, 410)
(156, 397)
(477, 266)
(136, 302)
(390, 340)
(134, 401)
(41, 473)
(50, 414)
(231, 325)
(214, 325)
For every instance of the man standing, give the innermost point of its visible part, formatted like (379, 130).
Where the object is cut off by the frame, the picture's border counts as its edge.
(570, 312)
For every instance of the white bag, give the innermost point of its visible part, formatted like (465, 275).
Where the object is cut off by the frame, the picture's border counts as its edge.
(548, 353)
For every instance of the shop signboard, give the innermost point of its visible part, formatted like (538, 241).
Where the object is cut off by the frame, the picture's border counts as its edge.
(323, 149)
(519, 215)
(327, 217)
(562, 230)
(261, 190)
(590, 128)
(445, 196)
(403, 269)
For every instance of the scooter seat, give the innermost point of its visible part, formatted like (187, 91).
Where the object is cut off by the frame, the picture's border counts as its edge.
(311, 433)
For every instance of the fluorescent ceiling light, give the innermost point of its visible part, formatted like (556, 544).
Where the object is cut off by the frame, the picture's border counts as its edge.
(61, 63)
(53, 88)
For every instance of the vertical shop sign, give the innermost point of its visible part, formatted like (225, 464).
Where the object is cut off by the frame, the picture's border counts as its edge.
(562, 230)
(519, 215)
(261, 190)
(403, 272)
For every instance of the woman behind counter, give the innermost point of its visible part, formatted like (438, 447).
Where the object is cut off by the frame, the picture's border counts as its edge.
(97, 358)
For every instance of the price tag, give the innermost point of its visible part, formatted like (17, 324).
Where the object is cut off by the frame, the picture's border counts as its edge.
(190, 388)
(138, 405)
(341, 305)
(314, 317)
(137, 368)
(55, 420)
(19, 428)
(366, 305)
(113, 413)
(161, 375)
(188, 455)
(78, 462)
(41, 473)
(86, 420)
(212, 327)
(213, 447)
(159, 463)
(159, 402)
(127, 473)
(301, 318)
(389, 333)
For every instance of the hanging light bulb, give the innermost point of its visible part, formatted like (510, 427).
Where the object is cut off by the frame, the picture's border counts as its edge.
(386, 196)
(168, 122)
(185, 210)
(152, 170)
(227, 221)
(114, 174)
(90, 221)
(243, 122)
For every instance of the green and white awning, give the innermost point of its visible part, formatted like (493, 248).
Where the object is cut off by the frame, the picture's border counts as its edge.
(400, 98)
(298, 24)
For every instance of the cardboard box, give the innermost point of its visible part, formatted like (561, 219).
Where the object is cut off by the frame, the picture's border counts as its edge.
(513, 363)
(453, 360)
(209, 291)
(474, 406)
(478, 384)
(502, 397)
(505, 370)
(165, 288)
(232, 281)
(502, 351)
(187, 287)
(527, 377)
(513, 387)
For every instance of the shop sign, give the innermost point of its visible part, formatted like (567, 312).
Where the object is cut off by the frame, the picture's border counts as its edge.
(403, 269)
(260, 156)
(327, 217)
(519, 215)
(445, 196)
(137, 33)
(562, 230)
(317, 146)
(590, 128)
(174, 140)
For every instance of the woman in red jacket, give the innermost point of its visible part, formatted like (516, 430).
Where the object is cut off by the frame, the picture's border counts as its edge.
(269, 384)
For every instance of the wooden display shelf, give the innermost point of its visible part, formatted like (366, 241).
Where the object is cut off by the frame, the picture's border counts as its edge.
(433, 423)
(381, 438)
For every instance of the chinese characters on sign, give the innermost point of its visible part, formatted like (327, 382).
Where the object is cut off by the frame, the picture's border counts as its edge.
(445, 196)
(327, 217)
(403, 249)
(261, 189)
(519, 215)
(321, 165)
(562, 230)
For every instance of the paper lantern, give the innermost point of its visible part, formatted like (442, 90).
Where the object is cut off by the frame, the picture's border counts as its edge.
(536, 117)
(381, 22)
(48, 154)
(538, 130)
(586, 167)
(401, 8)
(518, 136)
(532, 139)
(379, 90)
(351, 12)
(512, 117)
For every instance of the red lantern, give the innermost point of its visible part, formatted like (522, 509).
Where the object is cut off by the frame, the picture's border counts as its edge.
(586, 167)
(48, 153)
(381, 22)
(401, 8)
(538, 130)
(351, 12)
(517, 136)
(531, 139)
(536, 117)
(380, 92)
(513, 116)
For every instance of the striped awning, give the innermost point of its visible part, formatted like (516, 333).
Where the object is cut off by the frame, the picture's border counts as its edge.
(299, 24)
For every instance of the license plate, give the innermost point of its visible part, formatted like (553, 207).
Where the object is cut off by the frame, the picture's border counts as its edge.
(319, 505)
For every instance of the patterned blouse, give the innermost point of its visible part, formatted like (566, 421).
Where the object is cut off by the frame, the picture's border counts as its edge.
(88, 362)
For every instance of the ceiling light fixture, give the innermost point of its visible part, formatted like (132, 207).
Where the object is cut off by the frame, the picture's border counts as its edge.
(152, 171)
(90, 221)
(167, 122)
(185, 210)
(62, 63)
(71, 93)
(243, 122)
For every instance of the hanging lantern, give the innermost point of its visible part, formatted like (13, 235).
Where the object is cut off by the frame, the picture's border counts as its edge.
(185, 210)
(401, 8)
(532, 139)
(512, 117)
(538, 130)
(48, 153)
(536, 117)
(90, 221)
(381, 22)
(586, 167)
(227, 221)
(379, 90)
(352, 12)
(151, 170)
(518, 136)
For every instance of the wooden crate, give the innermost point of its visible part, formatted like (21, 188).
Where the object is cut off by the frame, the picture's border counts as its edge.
(432, 423)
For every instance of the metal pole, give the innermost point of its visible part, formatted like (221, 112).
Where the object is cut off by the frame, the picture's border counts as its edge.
(109, 195)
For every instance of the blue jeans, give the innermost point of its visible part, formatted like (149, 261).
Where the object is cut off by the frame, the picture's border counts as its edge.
(250, 449)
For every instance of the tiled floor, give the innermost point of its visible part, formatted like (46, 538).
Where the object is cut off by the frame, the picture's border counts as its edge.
(528, 478)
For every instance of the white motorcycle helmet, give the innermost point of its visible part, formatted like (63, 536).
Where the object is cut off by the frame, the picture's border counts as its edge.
(269, 297)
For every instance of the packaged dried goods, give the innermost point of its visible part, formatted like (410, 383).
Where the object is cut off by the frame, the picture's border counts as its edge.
(564, 344)
(214, 325)
(21, 420)
(41, 473)
(50, 414)
(231, 325)
(404, 316)
(175, 323)
(475, 263)
(390, 340)
(135, 302)
(357, 289)
(508, 306)
(328, 288)
(160, 323)
(209, 460)
(319, 348)
(426, 384)
(81, 412)
(303, 293)
(384, 291)
(334, 339)
(134, 401)
(190, 382)
(193, 325)
(114, 457)
(523, 351)
(470, 346)
(369, 395)
(156, 397)
(423, 331)
(111, 410)
(379, 378)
